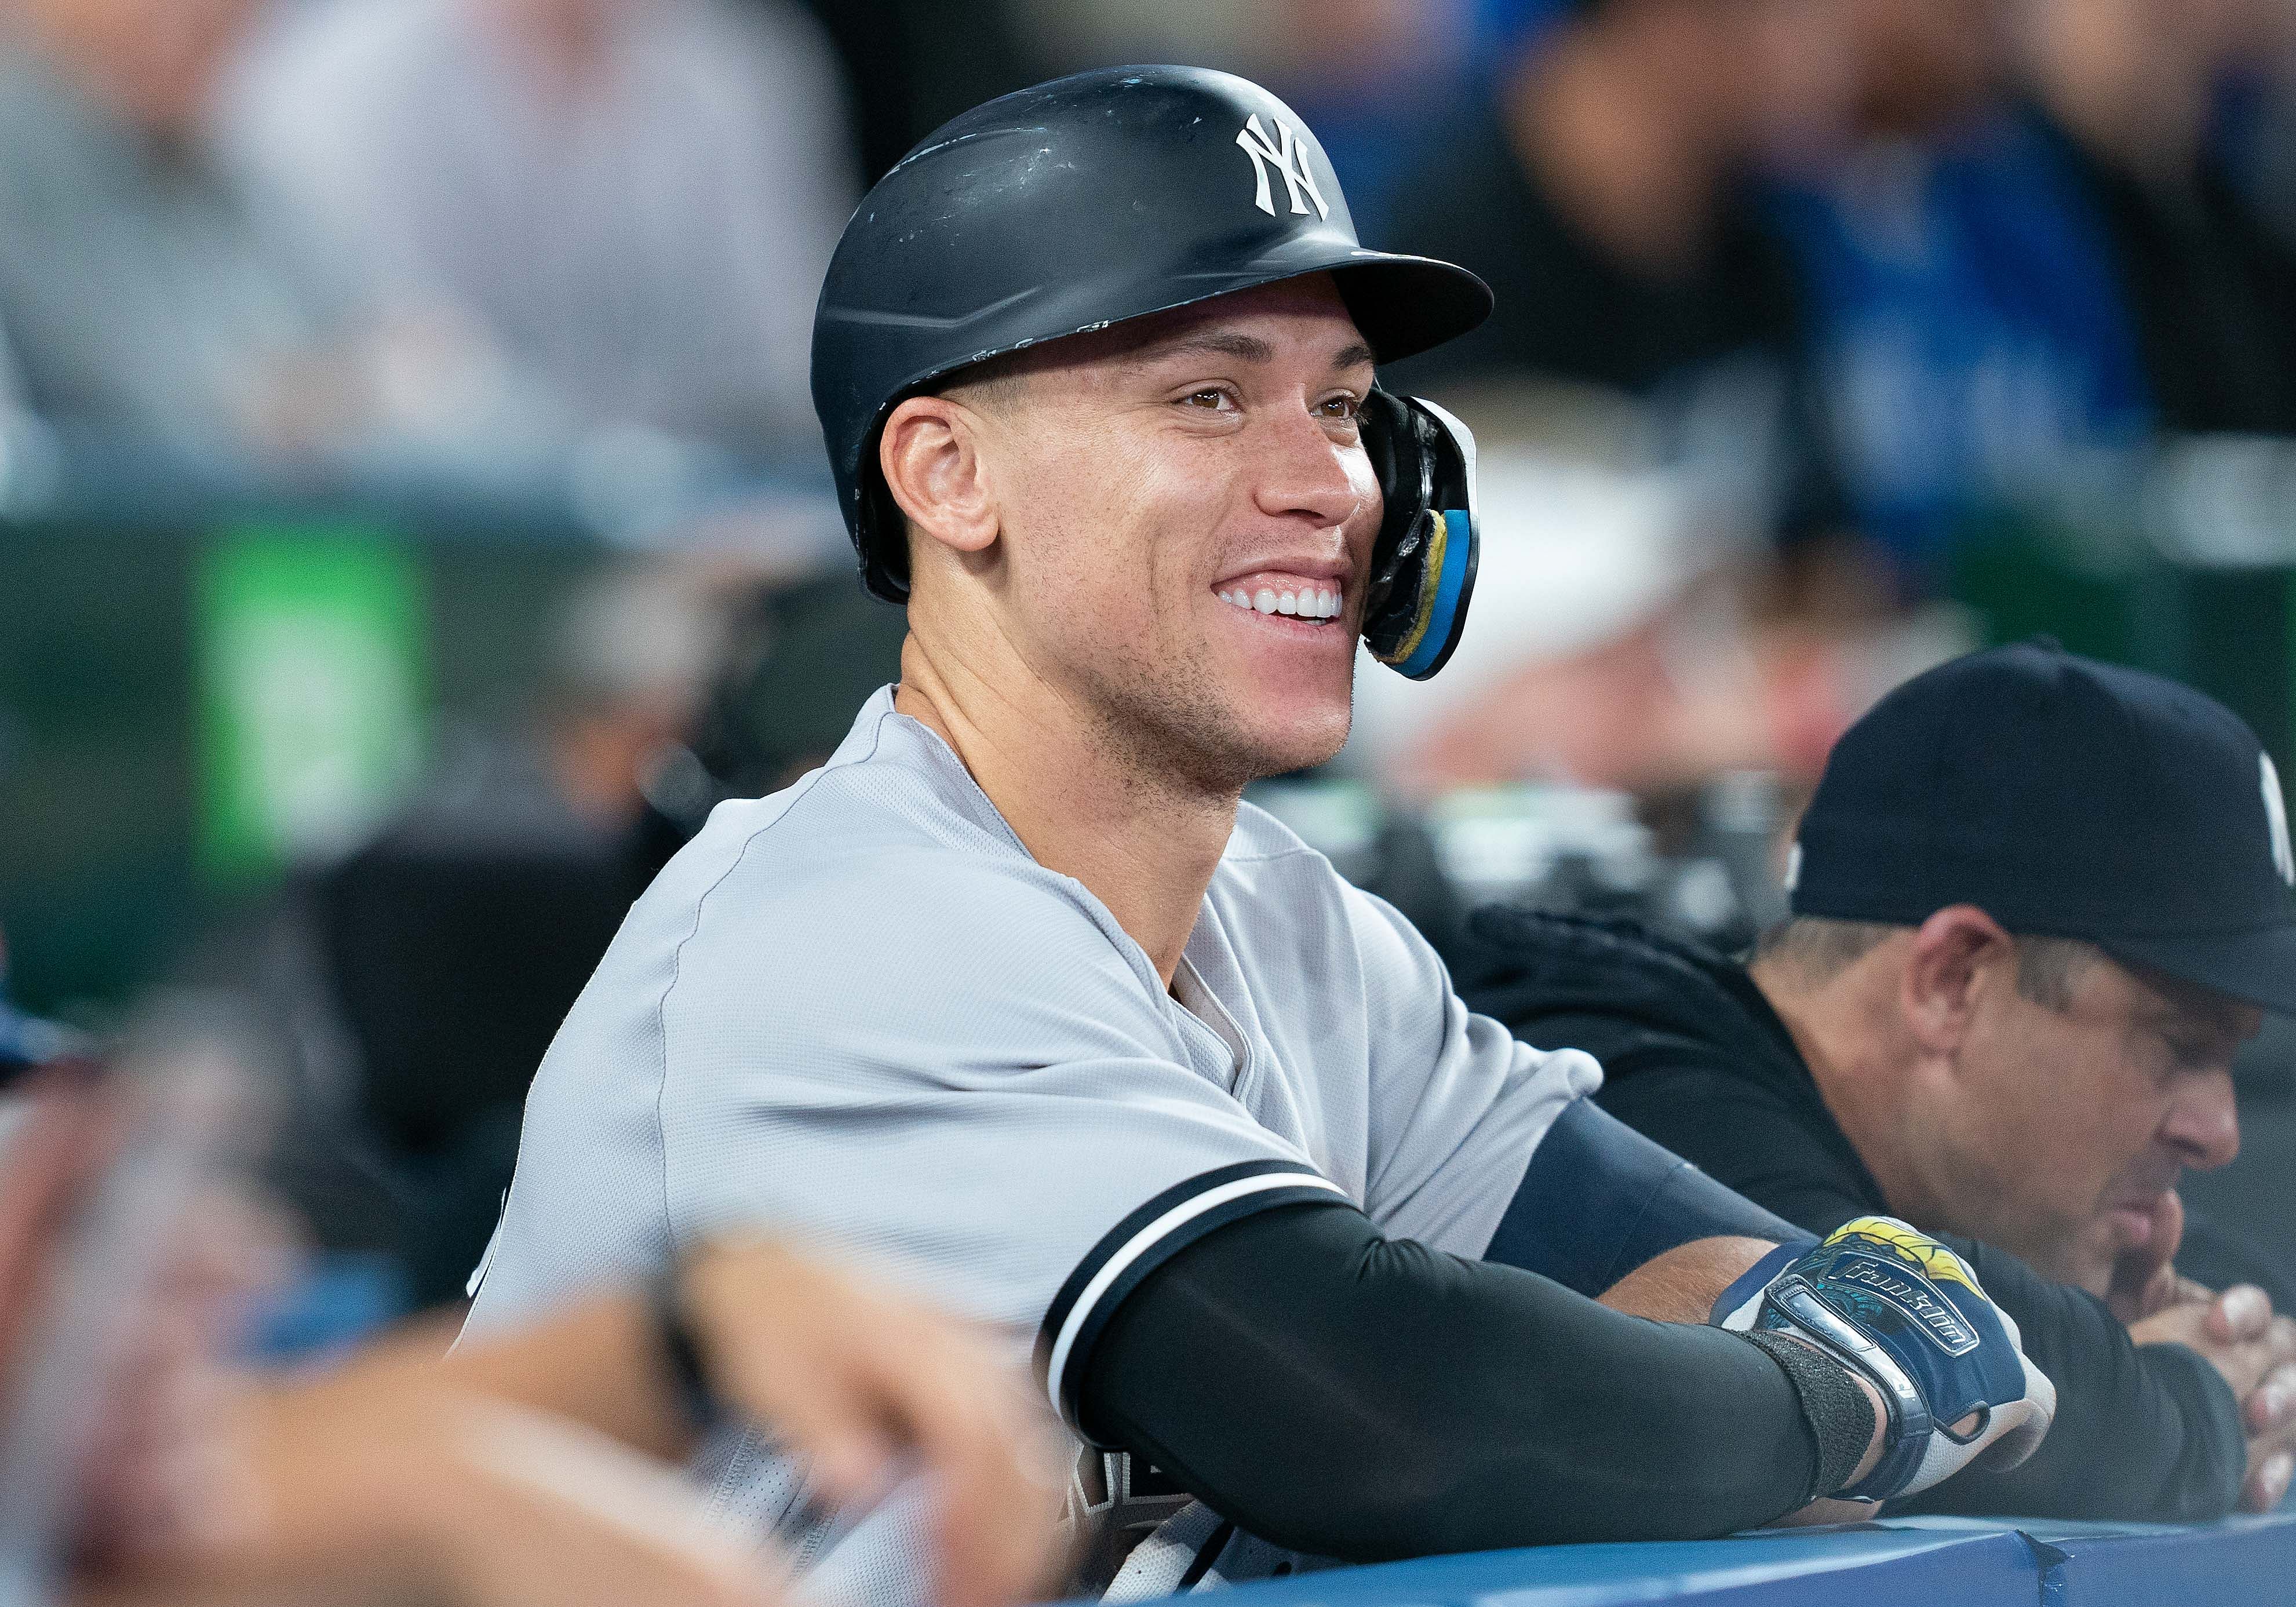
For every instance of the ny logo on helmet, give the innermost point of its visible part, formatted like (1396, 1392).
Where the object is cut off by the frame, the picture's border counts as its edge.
(1290, 159)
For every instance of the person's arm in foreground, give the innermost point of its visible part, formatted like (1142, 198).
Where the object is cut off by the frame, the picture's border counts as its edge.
(385, 1489)
(871, 1387)
(520, 1468)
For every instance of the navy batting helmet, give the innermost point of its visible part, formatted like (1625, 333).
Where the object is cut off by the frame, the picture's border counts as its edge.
(1112, 196)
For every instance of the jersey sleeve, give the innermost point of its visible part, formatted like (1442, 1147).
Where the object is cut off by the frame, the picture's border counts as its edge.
(1457, 1103)
(953, 1072)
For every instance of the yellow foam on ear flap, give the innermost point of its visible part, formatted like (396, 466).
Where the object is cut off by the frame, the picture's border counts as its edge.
(1430, 583)
(1941, 1264)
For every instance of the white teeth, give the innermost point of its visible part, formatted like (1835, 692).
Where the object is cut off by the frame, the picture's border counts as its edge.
(1310, 602)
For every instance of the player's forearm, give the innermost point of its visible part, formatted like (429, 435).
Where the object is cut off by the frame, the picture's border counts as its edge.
(1344, 1394)
(1682, 1285)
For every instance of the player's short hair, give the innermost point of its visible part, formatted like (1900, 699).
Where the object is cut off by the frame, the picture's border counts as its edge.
(1817, 948)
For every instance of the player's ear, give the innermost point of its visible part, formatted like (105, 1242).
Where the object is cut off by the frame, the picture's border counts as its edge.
(1953, 957)
(932, 461)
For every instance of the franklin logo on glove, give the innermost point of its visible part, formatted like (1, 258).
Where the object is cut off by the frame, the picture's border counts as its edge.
(1913, 1295)
(1858, 1297)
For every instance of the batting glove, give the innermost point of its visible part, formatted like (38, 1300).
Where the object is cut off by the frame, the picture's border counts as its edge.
(1901, 1311)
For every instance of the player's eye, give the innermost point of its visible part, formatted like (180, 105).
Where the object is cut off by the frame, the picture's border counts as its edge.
(1211, 398)
(1341, 406)
(2193, 1052)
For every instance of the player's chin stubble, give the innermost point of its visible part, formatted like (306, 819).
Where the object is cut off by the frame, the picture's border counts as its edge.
(1179, 724)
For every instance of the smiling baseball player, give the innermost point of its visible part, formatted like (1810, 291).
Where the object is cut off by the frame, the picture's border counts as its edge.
(1015, 998)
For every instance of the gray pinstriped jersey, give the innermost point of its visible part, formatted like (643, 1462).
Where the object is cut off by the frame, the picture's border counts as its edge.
(858, 1011)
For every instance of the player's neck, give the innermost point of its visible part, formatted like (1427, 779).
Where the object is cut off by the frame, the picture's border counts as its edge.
(1145, 845)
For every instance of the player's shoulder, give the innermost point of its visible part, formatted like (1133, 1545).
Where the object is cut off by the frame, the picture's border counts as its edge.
(888, 857)
(1290, 892)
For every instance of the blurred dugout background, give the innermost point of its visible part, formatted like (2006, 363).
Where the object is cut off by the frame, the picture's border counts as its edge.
(410, 518)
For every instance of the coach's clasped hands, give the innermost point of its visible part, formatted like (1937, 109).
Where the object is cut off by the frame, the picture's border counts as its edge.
(1907, 1314)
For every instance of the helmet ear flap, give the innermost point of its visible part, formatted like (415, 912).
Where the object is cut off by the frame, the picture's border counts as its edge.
(882, 535)
(1423, 566)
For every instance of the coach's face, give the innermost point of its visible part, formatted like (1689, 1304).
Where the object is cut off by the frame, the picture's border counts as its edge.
(2074, 1117)
(1182, 516)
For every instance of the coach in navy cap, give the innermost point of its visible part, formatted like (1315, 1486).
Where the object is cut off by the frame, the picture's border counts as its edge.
(2039, 902)
(2065, 798)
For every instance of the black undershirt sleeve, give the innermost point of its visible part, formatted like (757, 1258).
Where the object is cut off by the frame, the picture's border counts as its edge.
(1337, 1392)
(2143, 1432)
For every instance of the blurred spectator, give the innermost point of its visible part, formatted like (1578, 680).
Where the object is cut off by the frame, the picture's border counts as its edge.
(2011, 283)
(1619, 642)
(1967, 342)
(138, 286)
(1603, 188)
(132, 282)
(2131, 88)
(636, 198)
(1369, 76)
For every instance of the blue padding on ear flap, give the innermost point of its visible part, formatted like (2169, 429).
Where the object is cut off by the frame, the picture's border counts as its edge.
(1450, 598)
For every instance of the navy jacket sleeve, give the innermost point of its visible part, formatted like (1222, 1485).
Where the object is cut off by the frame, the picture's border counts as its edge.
(2146, 1432)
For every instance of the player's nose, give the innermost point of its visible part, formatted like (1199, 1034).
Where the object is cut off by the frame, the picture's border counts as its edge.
(1302, 469)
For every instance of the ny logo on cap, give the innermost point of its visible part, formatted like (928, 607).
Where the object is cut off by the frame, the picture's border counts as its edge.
(1290, 158)
(2275, 815)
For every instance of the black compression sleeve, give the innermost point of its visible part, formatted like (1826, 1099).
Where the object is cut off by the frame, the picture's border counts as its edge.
(1341, 1393)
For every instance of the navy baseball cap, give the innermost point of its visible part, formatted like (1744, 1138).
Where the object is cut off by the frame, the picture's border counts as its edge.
(2065, 798)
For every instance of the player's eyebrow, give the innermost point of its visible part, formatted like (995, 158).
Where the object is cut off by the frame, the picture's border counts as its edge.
(1247, 348)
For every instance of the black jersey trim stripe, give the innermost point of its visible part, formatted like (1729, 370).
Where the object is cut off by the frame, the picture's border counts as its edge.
(1205, 1558)
(1144, 1241)
(1057, 1314)
(1264, 1194)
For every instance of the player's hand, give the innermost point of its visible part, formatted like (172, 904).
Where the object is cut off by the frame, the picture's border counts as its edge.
(2240, 1336)
(872, 1389)
(1901, 1311)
